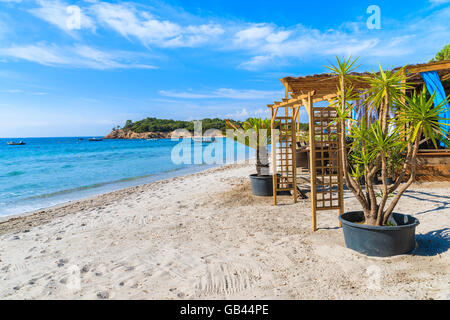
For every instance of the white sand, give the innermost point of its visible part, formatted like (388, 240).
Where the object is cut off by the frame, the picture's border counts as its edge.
(205, 236)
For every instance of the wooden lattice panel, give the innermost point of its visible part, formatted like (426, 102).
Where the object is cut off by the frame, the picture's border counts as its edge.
(283, 153)
(326, 172)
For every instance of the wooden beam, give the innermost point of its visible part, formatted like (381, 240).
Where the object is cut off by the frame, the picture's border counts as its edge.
(297, 110)
(286, 90)
(295, 100)
(330, 96)
(304, 95)
(288, 103)
(426, 68)
(274, 112)
(446, 77)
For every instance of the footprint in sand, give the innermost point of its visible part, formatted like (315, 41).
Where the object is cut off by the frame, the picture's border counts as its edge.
(103, 295)
(62, 262)
(227, 278)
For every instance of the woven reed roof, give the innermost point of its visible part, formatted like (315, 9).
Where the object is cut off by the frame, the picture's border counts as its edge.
(325, 84)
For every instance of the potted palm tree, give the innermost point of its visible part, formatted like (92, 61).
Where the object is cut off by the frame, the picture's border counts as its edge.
(402, 122)
(394, 163)
(256, 134)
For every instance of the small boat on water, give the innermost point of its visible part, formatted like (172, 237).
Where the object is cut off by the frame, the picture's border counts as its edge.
(205, 140)
(13, 143)
(95, 139)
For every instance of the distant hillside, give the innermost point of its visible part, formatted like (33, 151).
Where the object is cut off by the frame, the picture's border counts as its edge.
(165, 125)
(162, 128)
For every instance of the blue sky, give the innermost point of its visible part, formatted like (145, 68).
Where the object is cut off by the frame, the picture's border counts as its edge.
(181, 59)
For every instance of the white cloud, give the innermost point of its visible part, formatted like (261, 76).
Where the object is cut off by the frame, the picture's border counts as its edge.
(438, 2)
(224, 93)
(246, 94)
(283, 46)
(195, 36)
(80, 56)
(13, 91)
(256, 62)
(253, 35)
(63, 15)
(258, 45)
(244, 114)
(183, 95)
(35, 53)
(128, 21)
(148, 29)
(413, 41)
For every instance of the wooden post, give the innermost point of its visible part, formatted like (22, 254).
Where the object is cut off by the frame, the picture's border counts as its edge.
(294, 152)
(274, 155)
(312, 162)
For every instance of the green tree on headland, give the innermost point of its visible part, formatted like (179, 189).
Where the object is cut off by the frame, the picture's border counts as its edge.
(128, 125)
(168, 125)
(444, 54)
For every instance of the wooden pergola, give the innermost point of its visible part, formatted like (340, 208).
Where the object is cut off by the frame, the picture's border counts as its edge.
(324, 163)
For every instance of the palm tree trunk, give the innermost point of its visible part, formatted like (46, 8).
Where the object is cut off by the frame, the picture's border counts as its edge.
(351, 183)
(264, 161)
(258, 162)
(411, 179)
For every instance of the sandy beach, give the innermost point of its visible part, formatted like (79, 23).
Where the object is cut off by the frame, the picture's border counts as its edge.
(204, 236)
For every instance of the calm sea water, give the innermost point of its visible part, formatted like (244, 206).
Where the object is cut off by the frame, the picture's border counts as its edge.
(50, 171)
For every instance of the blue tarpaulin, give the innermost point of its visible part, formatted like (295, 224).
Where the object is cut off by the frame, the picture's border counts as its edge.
(359, 114)
(434, 84)
(354, 113)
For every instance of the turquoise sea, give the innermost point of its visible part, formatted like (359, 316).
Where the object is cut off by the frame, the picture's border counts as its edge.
(50, 171)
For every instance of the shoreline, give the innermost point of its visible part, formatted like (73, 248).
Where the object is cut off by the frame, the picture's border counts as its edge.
(108, 187)
(53, 190)
(119, 192)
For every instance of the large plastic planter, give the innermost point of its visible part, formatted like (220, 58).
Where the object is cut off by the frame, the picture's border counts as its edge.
(262, 185)
(379, 241)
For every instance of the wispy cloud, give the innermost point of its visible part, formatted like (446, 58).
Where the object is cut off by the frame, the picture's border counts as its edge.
(413, 40)
(130, 22)
(438, 2)
(63, 15)
(223, 93)
(79, 56)
(255, 46)
(15, 91)
(244, 113)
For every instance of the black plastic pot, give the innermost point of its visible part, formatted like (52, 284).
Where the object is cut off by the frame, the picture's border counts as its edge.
(262, 185)
(375, 180)
(378, 241)
(362, 180)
